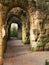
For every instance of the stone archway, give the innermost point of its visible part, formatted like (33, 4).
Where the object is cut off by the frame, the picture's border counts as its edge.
(24, 17)
(13, 19)
(7, 6)
(39, 33)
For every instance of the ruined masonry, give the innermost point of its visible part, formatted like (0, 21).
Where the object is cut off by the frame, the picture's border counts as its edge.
(34, 16)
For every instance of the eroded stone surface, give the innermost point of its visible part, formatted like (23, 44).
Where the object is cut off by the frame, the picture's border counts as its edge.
(39, 34)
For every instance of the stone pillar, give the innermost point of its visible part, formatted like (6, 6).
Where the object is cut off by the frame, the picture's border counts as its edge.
(1, 46)
(5, 30)
(33, 27)
(37, 30)
(23, 32)
(24, 29)
(27, 30)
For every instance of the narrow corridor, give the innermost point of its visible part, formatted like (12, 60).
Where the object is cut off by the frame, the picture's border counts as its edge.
(19, 54)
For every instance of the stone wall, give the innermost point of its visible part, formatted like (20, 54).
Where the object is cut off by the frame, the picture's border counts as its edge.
(1, 45)
(39, 33)
(38, 18)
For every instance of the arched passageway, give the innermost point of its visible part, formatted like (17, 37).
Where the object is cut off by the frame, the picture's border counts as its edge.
(21, 14)
(14, 20)
(17, 45)
(15, 31)
(35, 23)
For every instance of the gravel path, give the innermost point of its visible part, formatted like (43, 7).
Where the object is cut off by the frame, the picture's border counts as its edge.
(19, 54)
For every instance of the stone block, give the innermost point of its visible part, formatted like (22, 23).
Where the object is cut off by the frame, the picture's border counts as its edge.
(33, 46)
(38, 46)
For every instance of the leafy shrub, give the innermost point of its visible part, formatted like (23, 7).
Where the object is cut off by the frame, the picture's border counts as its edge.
(47, 62)
(14, 32)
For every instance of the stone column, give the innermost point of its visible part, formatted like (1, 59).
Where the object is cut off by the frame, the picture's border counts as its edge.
(23, 32)
(37, 31)
(24, 29)
(5, 30)
(1, 46)
(33, 27)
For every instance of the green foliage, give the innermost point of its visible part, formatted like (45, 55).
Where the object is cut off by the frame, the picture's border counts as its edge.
(41, 43)
(14, 32)
(46, 62)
